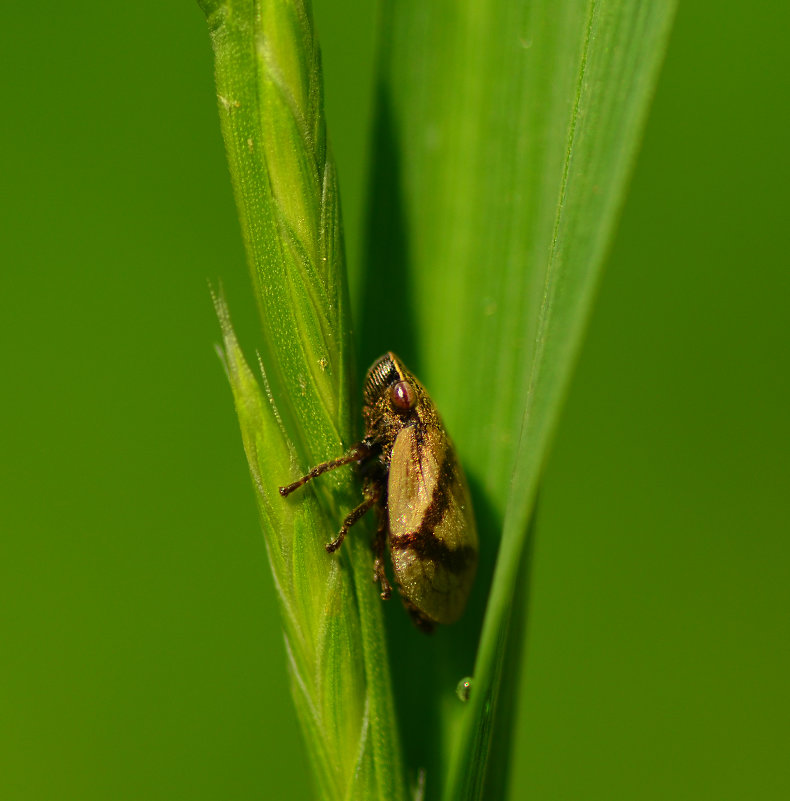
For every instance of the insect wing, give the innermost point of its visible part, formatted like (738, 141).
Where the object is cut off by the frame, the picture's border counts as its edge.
(433, 539)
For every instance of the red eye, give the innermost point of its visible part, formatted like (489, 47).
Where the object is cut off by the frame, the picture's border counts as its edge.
(403, 395)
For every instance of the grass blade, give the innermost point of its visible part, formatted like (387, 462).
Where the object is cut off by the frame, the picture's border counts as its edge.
(268, 75)
(505, 136)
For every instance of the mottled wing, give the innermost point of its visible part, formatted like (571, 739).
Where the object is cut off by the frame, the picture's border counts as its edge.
(433, 538)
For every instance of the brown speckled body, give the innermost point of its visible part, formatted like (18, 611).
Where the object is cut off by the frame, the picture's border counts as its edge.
(412, 478)
(431, 534)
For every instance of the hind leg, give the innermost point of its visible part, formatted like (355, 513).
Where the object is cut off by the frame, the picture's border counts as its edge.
(379, 546)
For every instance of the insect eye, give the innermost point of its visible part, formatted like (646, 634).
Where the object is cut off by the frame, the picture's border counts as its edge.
(403, 395)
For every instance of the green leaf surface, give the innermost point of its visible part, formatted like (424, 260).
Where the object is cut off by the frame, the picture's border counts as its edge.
(505, 135)
(268, 76)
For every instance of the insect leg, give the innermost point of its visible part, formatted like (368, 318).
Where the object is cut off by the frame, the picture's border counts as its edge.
(352, 517)
(357, 452)
(379, 544)
(419, 618)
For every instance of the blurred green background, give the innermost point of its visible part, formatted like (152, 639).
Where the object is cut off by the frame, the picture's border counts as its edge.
(141, 653)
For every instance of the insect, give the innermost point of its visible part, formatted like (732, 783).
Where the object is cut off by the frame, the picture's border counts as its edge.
(411, 477)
